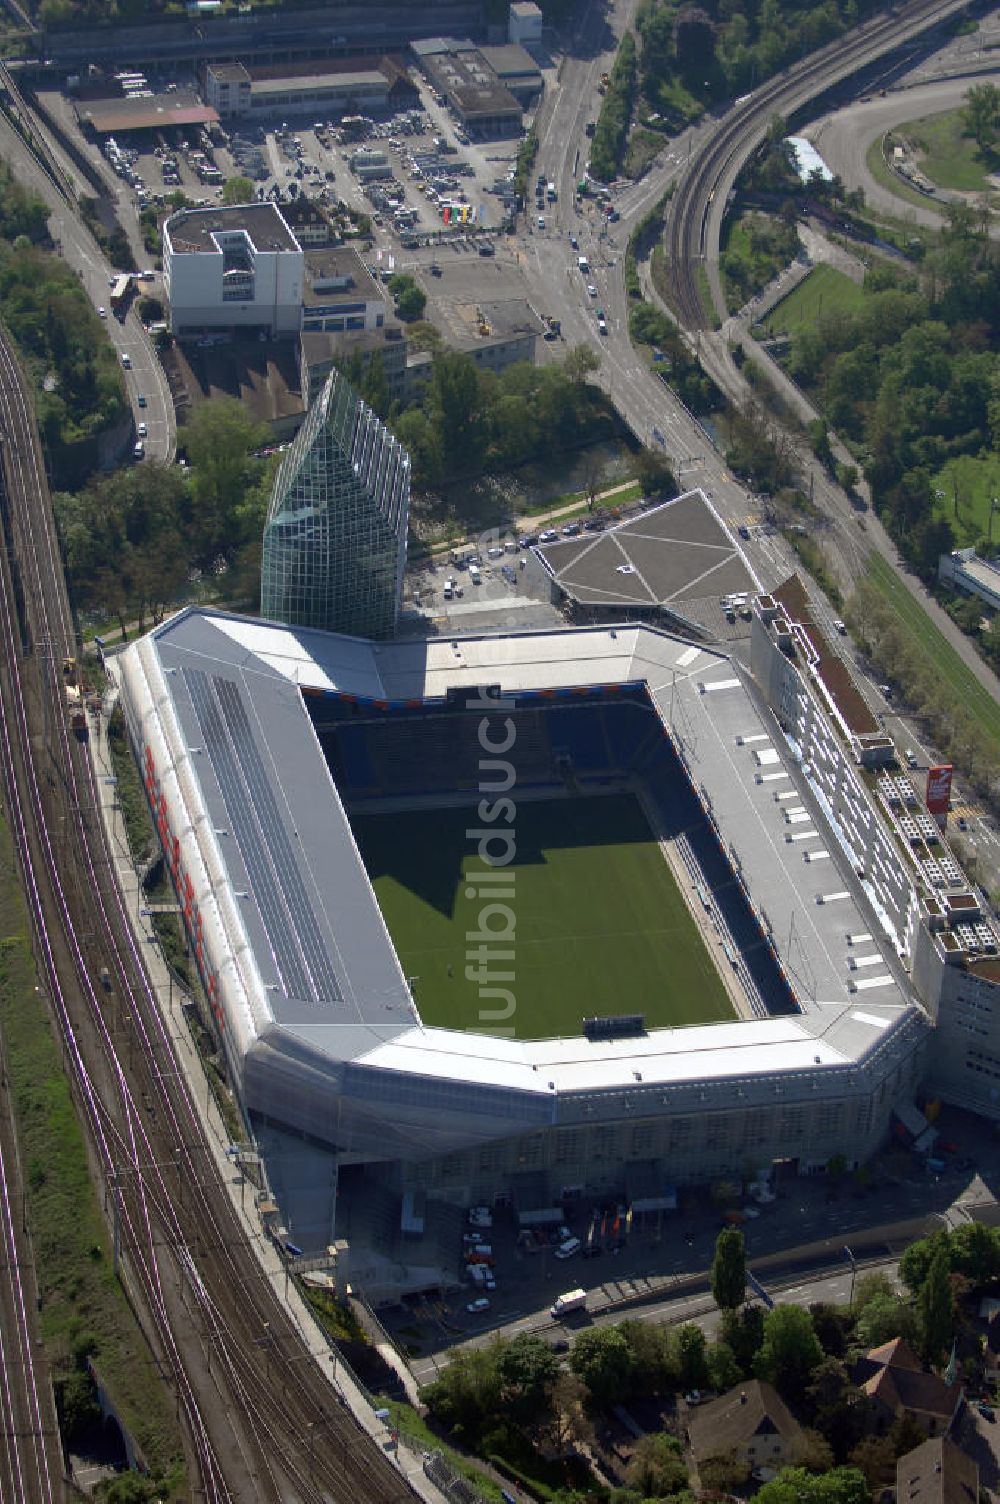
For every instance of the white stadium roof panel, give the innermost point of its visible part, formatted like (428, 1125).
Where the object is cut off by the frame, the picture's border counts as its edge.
(310, 984)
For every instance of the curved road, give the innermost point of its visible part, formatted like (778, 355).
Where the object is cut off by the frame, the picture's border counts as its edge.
(844, 136)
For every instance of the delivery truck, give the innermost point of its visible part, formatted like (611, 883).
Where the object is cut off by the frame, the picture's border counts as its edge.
(573, 1300)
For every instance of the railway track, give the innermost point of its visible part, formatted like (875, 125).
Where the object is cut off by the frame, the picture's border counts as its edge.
(712, 172)
(261, 1420)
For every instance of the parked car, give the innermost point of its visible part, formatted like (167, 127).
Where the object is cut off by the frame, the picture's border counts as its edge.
(477, 1306)
(142, 430)
(140, 400)
(548, 536)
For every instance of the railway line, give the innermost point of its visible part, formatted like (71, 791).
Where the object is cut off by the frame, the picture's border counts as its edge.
(698, 206)
(260, 1418)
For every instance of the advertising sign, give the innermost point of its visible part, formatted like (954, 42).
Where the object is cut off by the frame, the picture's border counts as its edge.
(938, 796)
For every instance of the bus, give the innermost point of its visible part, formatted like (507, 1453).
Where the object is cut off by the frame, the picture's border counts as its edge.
(119, 291)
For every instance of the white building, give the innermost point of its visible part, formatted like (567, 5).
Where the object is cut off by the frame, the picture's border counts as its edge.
(525, 23)
(239, 267)
(227, 89)
(965, 571)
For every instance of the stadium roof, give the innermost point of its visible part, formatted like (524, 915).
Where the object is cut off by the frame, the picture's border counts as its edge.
(292, 927)
(666, 558)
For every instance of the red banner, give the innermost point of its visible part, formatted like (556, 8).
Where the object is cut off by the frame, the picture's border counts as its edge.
(938, 796)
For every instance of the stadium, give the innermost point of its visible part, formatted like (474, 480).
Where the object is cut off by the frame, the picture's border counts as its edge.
(533, 916)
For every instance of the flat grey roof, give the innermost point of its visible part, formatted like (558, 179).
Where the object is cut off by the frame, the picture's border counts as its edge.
(673, 554)
(229, 73)
(194, 230)
(338, 265)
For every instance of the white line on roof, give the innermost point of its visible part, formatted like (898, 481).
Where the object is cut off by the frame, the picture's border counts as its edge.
(871, 1018)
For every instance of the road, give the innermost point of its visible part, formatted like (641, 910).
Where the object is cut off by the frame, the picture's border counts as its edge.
(80, 250)
(698, 209)
(844, 136)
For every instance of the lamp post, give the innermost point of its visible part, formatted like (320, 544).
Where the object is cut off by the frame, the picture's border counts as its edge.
(854, 1274)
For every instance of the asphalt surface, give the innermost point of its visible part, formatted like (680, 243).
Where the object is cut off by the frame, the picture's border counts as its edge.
(79, 249)
(843, 138)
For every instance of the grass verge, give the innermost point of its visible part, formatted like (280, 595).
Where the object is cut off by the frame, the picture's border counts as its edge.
(963, 491)
(84, 1309)
(936, 650)
(949, 157)
(131, 797)
(884, 175)
(705, 294)
(825, 291)
(411, 1424)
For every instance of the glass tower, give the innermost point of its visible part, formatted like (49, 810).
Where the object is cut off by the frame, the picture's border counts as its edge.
(335, 536)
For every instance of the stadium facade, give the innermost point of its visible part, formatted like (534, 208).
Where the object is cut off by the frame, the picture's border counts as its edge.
(335, 535)
(256, 742)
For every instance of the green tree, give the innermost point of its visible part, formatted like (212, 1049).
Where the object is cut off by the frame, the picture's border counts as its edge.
(409, 299)
(723, 1370)
(793, 1485)
(981, 114)
(790, 1351)
(654, 473)
(580, 362)
(466, 1394)
(526, 1369)
(220, 438)
(743, 1333)
(936, 1309)
(237, 190)
(729, 1269)
(601, 1358)
(691, 1349)
(657, 1468)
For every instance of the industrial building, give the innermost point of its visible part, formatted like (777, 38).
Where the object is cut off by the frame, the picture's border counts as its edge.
(232, 268)
(335, 536)
(468, 85)
(323, 87)
(340, 294)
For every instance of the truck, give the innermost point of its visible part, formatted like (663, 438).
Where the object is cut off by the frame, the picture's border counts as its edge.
(550, 193)
(573, 1300)
(583, 264)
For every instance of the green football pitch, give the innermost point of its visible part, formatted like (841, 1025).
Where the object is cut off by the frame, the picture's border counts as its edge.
(600, 926)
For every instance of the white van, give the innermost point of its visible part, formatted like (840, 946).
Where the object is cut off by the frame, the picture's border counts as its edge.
(566, 1250)
(475, 574)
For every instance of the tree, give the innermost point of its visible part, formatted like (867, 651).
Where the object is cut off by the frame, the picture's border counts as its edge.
(409, 299)
(981, 114)
(467, 1394)
(694, 45)
(220, 438)
(729, 1270)
(790, 1351)
(723, 1370)
(724, 1475)
(936, 1309)
(526, 1369)
(580, 362)
(238, 190)
(601, 1358)
(793, 1485)
(568, 1419)
(654, 474)
(657, 1468)
(743, 1332)
(691, 1361)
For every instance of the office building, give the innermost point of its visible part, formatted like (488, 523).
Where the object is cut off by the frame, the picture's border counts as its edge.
(335, 537)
